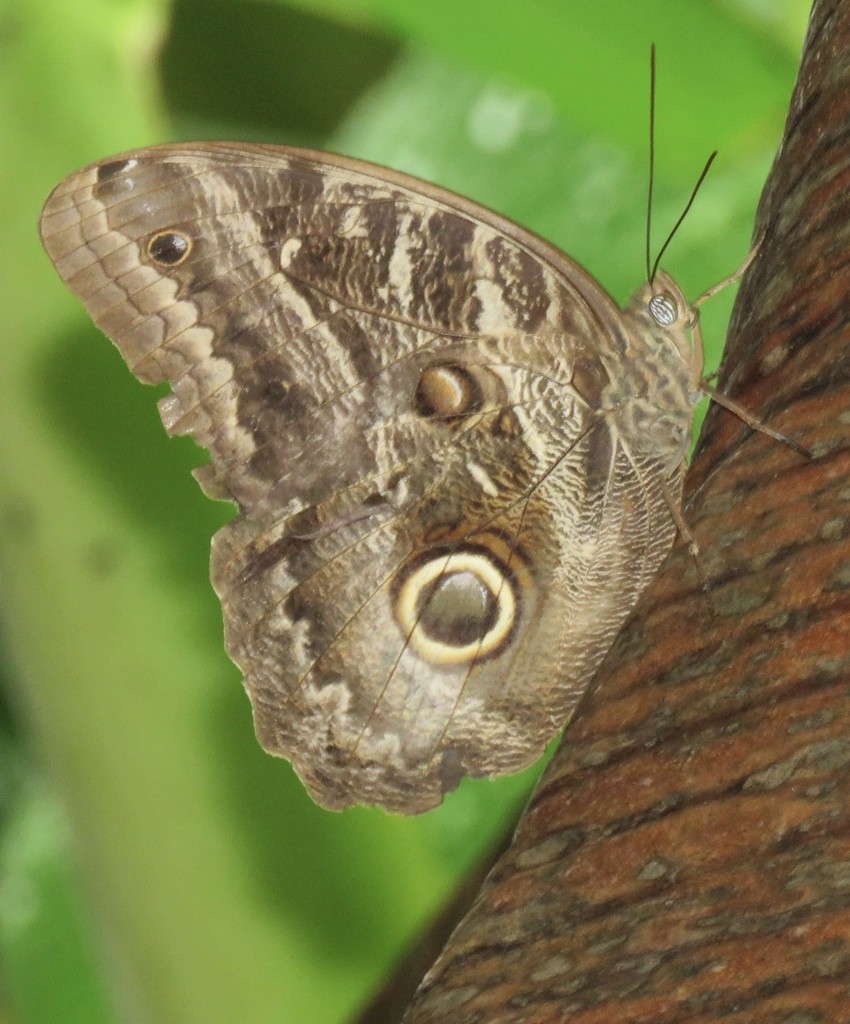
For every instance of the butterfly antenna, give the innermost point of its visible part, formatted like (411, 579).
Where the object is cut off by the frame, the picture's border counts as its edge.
(650, 273)
(682, 215)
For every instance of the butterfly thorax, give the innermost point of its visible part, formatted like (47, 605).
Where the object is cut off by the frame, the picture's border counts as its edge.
(651, 401)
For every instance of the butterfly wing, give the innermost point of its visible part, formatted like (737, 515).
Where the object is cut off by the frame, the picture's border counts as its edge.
(439, 533)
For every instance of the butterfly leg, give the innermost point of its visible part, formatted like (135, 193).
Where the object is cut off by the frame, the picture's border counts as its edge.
(730, 279)
(678, 517)
(751, 421)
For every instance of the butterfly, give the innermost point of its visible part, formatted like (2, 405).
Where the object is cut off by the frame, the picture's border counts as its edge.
(456, 462)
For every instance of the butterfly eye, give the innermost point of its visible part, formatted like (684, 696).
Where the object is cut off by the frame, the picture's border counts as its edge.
(457, 607)
(663, 309)
(169, 248)
(447, 391)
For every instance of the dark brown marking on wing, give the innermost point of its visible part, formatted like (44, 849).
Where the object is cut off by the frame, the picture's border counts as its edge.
(113, 181)
(440, 291)
(599, 457)
(507, 425)
(357, 345)
(520, 279)
(590, 380)
(112, 169)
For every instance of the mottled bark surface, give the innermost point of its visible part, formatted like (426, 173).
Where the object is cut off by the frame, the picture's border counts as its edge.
(687, 855)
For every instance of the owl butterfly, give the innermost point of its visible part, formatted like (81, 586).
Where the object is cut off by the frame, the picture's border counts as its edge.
(456, 462)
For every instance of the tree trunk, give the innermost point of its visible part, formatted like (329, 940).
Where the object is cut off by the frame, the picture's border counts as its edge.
(687, 854)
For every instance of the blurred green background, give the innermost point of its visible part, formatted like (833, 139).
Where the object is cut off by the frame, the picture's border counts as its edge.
(155, 865)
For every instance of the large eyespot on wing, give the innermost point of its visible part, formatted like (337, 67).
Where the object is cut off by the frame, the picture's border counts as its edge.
(458, 605)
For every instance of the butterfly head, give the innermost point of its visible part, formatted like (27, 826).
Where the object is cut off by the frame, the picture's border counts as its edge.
(660, 310)
(661, 320)
(665, 304)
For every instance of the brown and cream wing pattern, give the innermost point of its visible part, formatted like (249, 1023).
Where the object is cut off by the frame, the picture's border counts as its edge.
(440, 529)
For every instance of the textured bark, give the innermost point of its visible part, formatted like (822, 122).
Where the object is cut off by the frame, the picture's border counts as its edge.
(687, 854)
(388, 1003)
